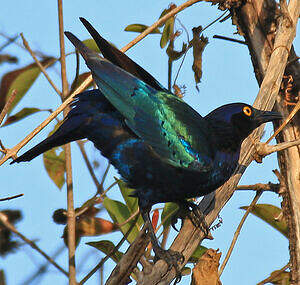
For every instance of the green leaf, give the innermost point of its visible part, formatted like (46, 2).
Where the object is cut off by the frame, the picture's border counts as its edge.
(169, 210)
(20, 80)
(55, 163)
(107, 247)
(199, 251)
(167, 32)
(271, 215)
(139, 28)
(119, 213)
(131, 202)
(25, 112)
(55, 166)
(90, 43)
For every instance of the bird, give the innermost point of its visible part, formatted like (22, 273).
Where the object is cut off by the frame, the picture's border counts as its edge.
(160, 145)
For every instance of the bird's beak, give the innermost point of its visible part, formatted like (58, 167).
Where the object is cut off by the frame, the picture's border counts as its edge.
(266, 116)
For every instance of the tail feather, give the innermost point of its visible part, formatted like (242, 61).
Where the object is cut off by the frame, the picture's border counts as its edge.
(93, 117)
(120, 59)
(74, 126)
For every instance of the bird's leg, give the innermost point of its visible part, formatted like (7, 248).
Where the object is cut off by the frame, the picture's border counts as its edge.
(169, 256)
(187, 208)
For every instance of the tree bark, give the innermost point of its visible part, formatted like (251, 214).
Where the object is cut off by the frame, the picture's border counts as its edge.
(257, 21)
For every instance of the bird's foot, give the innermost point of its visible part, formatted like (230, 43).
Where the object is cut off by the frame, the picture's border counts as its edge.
(193, 212)
(172, 258)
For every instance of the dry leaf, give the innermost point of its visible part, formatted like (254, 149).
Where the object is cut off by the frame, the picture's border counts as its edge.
(205, 271)
(198, 43)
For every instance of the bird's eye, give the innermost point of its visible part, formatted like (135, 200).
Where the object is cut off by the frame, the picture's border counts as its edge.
(247, 111)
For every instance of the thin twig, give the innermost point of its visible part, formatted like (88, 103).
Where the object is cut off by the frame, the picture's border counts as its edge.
(260, 187)
(67, 147)
(9, 41)
(20, 45)
(238, 230)
(43, 268)
(189, 46)
(229, 39)
(100, 264)
(159, 22)
(130, 218)
(4, 220)
(88, 164)
(273, 276)
(214, 21)
(100, 189)
(11, 197)
(286, 121)
(41, 67)
(7, 105)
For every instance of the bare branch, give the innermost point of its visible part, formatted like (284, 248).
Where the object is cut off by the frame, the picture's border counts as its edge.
(88, 164)
(238, 230)
(260, 187)
(41, 67)
(67, 147)
(7, 105)
(4, 220)
(129, 260)
(11, 197)
(263, 149)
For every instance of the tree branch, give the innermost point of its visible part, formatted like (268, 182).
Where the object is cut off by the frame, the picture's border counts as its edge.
(41, 67)
(238, 230)
(67, 148)
(4, 220)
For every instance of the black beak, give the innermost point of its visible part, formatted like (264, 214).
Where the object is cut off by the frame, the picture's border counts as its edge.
(266, 116)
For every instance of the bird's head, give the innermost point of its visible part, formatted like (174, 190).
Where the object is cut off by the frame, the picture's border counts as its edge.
(239, 120)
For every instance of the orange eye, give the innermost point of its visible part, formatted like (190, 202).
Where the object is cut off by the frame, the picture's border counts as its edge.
(247, 111)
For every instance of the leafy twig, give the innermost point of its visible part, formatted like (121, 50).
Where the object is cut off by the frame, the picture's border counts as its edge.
(238, 230)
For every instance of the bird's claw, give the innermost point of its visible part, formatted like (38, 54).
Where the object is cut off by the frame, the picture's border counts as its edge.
(172, 258)
(194, 214)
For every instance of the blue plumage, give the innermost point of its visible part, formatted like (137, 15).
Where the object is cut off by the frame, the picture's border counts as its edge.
(161, 146)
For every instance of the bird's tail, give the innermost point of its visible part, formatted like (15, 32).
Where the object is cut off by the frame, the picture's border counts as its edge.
(92, 117)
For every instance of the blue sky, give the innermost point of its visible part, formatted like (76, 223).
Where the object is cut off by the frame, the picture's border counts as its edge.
(227, 77)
